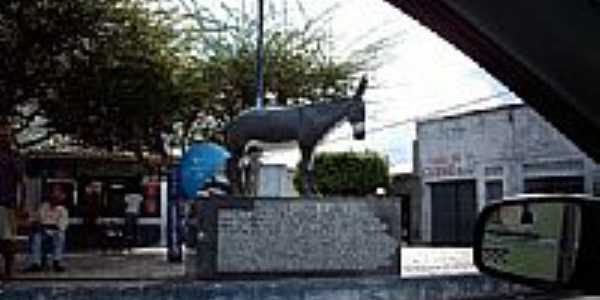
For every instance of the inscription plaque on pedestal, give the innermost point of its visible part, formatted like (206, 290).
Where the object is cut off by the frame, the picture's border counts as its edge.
(321, 236)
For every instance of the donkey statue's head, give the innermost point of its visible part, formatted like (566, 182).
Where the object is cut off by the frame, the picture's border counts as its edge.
(356, 113)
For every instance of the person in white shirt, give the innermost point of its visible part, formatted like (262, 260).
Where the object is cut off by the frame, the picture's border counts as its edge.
(53, 219)
(132, 210)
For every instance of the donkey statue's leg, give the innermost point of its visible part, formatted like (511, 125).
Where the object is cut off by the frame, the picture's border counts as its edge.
(233, 172)
(308, 184)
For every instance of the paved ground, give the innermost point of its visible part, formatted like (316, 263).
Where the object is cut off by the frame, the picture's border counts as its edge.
(425, 276)
(151, 264)
(141, 263)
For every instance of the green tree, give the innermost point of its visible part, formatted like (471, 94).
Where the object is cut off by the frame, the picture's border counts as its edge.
(348, 173)
(129, 92)
(39, 43)
(115, 73)
(299, 66)
(102, 72)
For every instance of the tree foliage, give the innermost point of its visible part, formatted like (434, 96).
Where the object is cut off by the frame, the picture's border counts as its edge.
(300, 66)
(102, 72)
(128, 92)
(348, 173)
(40, 43)
(115, 73)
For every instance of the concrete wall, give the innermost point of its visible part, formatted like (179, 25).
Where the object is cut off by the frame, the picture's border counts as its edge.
(508, 144)
(288, 236)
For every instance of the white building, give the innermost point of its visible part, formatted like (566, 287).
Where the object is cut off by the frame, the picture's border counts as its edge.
(466, 160)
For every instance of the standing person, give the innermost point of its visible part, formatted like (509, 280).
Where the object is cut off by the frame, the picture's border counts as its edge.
(132, 211)
(10, 173)
(252, 171)
(53, 218)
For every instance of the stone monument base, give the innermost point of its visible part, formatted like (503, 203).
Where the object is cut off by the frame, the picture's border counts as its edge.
(274, 237)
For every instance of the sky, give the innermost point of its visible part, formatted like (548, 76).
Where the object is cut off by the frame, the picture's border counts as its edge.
(421, 74)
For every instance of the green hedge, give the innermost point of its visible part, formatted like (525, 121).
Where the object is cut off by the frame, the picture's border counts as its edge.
(348, 173)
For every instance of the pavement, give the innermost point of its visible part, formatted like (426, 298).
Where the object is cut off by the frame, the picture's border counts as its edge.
(427, 273)
(144, 263)
(150, 263)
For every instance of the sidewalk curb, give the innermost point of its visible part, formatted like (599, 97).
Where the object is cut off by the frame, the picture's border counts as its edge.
(380, 288)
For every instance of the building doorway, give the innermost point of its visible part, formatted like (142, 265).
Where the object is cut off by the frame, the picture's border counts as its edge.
(453, 214)
(406, 220)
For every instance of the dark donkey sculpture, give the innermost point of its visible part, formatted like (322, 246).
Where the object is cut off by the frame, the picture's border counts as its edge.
(306, 125)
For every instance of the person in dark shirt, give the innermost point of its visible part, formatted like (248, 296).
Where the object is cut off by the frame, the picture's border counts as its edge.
(9, 179)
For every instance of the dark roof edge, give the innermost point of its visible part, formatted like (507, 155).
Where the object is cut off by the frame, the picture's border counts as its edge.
(474, 112)
(46, 154)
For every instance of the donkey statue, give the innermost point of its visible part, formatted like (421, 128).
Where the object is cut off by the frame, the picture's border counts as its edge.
(306, 125)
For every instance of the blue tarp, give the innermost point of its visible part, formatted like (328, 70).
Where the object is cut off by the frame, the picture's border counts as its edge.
(200, 163)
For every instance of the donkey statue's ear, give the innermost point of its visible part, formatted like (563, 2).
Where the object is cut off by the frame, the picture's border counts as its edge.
(362, 86)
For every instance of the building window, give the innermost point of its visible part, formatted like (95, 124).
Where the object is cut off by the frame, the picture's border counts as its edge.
(596, 190)
(554, 166)
(494, 171)
(494, 190)
(555, 185)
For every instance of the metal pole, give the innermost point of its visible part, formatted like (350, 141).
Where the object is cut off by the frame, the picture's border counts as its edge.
(285, 15)
(260, 57)
(243, 9)
(174, 245)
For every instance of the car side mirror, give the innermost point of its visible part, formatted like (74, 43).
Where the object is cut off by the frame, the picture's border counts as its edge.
(550, 242)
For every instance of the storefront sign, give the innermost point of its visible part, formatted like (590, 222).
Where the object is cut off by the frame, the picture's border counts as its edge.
(447, 171)
(452, 165)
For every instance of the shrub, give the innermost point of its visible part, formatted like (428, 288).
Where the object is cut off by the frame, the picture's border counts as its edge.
(347, 173)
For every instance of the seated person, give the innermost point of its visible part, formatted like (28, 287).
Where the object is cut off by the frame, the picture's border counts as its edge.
(53, 219)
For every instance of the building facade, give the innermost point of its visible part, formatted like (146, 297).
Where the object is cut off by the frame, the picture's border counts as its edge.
(97, 186)
(466, 161)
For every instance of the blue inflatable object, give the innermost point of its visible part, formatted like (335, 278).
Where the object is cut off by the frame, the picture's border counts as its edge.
(200, 163)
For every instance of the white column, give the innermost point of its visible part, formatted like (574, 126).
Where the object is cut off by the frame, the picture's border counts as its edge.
(163, 211)
(480, 180)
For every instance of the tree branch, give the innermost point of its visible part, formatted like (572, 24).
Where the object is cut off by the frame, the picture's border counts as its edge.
(25, 120)
(37, 140)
